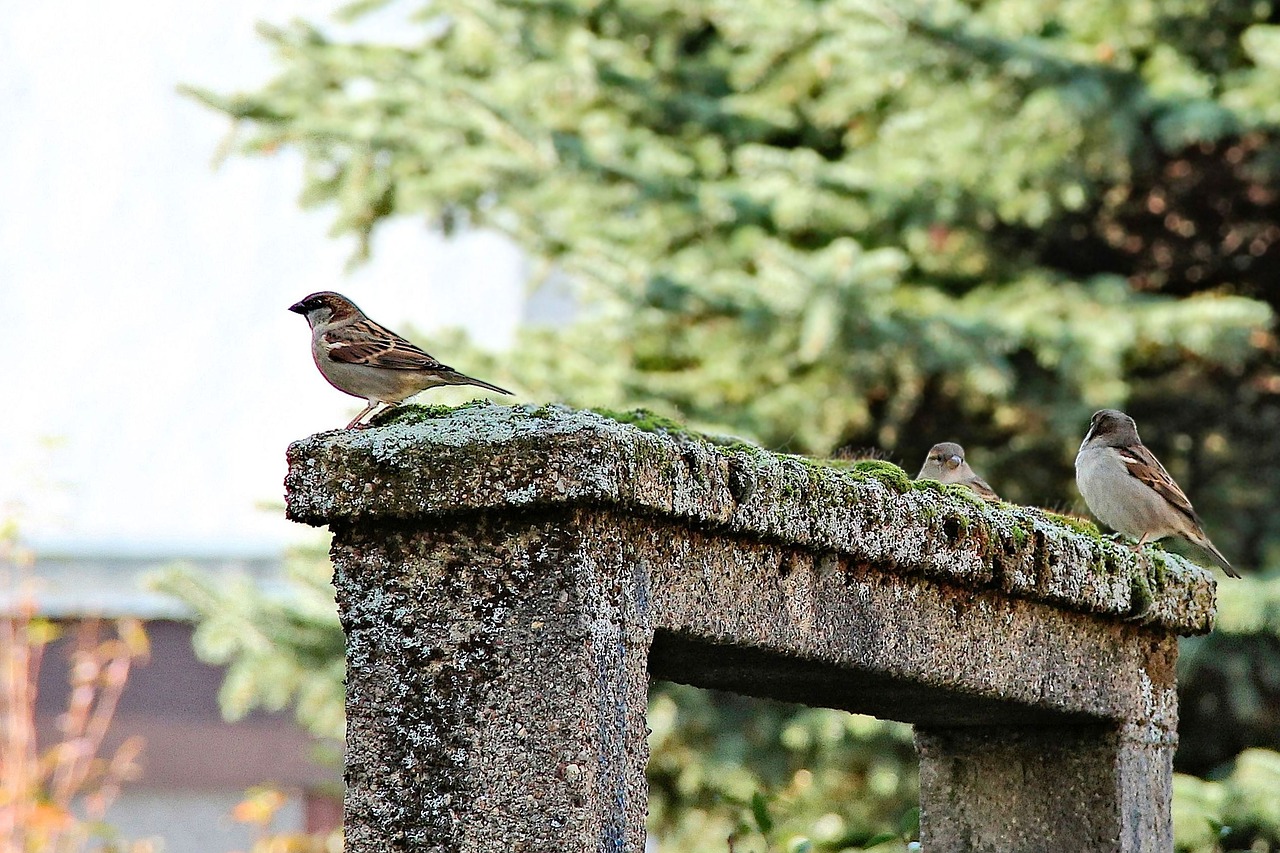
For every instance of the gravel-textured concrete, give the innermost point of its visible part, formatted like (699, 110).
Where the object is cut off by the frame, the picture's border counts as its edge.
(509, 578)
(496, 691)
(1043, 790)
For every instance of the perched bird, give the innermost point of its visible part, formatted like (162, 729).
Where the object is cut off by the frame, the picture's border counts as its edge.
(363, 359)
(945, 463)
(1128, 489)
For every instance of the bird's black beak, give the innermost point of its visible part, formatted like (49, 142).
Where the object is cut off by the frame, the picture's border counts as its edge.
(298, 308)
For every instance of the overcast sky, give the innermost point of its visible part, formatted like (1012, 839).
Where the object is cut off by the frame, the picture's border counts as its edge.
(153, 375)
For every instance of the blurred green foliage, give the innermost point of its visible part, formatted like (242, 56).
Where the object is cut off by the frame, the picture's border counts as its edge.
(282, 646)
(774, 774)
(826, 223)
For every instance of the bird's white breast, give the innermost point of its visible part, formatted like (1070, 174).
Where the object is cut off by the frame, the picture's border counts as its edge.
(1120, 500)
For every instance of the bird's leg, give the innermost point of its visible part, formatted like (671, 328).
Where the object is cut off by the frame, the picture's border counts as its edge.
(380, 408)
(1143, 541)
(386, 407)
(355, 422)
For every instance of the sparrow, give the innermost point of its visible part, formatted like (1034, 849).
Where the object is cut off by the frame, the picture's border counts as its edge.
(1128, 489)
(945, 463)
(364, 359)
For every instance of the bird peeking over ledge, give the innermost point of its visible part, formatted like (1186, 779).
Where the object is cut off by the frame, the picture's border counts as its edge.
(365, 359)
(945, 463)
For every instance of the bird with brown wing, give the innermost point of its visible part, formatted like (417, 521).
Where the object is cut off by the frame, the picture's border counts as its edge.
(364, 359)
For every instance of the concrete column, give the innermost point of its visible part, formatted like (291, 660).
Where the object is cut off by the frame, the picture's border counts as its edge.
(496, 691)
(1074, 789)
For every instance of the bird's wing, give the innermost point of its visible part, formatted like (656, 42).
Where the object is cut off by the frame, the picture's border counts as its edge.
(366, 342)
(1142, 464)
(982, 488)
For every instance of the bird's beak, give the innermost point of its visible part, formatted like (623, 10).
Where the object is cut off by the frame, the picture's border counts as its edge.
(297, 308)
(955, 460)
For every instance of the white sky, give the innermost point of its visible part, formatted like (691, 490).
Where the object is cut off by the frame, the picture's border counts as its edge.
(152, 373)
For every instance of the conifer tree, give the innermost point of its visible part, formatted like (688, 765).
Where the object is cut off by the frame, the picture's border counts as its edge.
(824, 223)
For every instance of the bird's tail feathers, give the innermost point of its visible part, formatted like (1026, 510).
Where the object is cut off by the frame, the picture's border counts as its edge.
(456, 378)
(1212, 551)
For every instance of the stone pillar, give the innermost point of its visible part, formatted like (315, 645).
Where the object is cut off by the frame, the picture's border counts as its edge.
(496, 690)
(1037, 789)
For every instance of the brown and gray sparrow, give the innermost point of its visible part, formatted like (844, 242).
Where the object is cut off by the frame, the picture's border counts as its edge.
(1128, 489)
(945, 463)
(361, 358)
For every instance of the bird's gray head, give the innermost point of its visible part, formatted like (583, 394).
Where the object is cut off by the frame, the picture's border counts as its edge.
(948, 454)
(1112, 428)
(325, 306)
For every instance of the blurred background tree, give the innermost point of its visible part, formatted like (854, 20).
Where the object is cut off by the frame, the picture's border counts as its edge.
(826, 223)
(56, 789)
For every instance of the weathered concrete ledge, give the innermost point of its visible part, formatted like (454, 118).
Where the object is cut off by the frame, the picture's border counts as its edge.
(431, 462)
(510, 579)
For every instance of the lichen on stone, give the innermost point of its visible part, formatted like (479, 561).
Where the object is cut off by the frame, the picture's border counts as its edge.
(421, 461)
(1159, 568)
(649, 421)
(884, 472)
(1076, 523)
(1140, 593)
(414, 413)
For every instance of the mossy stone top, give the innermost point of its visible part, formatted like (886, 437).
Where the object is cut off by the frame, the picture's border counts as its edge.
(436, 461)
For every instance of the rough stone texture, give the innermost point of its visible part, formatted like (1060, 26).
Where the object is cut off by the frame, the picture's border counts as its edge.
(496, 690)
(428, 463)
(509, 578)
(1053, 789)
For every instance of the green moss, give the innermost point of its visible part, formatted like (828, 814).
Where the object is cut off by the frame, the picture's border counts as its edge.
(1076, 523)
(789, 488)
(1159, 569)
(951, 489)
(885, 472)
(929, 486)
(1140, 597)
(868, 469)
(862, 470)
(647, 421)
(737, 445)
(415, 414)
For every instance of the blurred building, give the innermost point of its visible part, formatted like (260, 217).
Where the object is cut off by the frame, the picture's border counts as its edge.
(196, 766)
